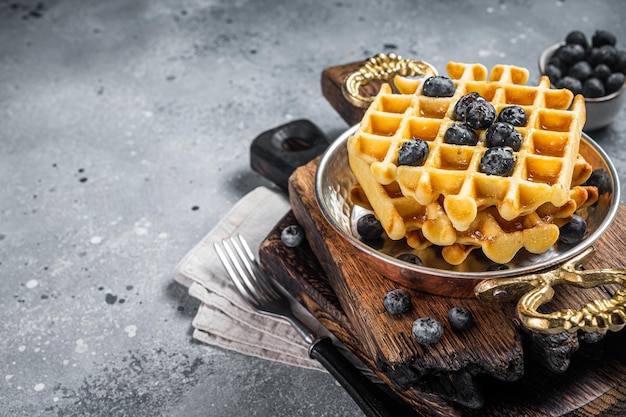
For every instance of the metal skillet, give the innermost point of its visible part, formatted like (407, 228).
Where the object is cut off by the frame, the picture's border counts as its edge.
(529, 276)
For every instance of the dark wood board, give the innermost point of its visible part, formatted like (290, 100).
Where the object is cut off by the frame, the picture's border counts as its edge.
(493, 369)
(496, 368)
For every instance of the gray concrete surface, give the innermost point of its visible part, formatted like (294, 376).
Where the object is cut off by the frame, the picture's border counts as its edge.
(124, 135)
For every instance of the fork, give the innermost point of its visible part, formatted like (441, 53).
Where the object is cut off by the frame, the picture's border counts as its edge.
(268, 297)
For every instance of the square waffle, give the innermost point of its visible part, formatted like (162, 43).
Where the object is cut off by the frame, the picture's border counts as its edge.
(447, 201)
(544, 163)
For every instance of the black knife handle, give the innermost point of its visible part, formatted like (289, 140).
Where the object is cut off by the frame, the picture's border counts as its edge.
(371, 399)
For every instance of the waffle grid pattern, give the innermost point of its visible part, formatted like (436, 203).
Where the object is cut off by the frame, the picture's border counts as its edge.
(447, 201)
(543, 167)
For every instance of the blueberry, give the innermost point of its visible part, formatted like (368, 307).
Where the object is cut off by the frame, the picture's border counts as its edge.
(576, 36)
(410, 258)
(603, 55)
(600, 178)
(553, 72)
(571, 53)
(397, 301)
(497, 161)
(427, 330)
(516, 115)
(581, 70)
(292, 235)
(603, 37)
(480, 115)
(614, 82)
(460, 107)
(572, 84)
(602, 71)
(556, 61)
(620, 63)
(369, 227)
(439, 86)
(413, 152)
(460, 318)
(498, 267)
(503, 134)
(593, 88)
(574, 231)
(460, 134)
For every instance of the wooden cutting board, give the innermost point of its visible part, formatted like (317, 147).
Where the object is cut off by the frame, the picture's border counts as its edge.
(496, 368)
(493, 369)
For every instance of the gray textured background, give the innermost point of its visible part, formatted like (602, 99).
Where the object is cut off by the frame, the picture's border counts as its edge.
(124, 135)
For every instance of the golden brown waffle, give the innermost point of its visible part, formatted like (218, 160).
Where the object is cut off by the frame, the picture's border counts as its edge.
(545, 162)
(499, 239)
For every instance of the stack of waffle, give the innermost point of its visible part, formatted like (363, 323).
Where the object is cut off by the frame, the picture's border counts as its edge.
(447, 201)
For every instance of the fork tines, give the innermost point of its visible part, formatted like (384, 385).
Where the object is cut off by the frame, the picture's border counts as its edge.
(244, 271)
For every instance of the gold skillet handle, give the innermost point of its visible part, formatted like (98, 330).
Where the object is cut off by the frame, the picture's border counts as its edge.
(596, 316)
(381, 67)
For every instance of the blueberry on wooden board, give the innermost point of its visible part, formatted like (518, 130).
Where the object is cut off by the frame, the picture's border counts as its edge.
(292, 235)
(460, 318)
(397, 301)
(427, 330)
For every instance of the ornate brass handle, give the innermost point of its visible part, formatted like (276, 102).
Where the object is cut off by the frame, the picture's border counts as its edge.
(537, 289)
(381, 67)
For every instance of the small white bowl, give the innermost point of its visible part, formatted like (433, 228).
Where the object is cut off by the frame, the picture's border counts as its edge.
(600, 111)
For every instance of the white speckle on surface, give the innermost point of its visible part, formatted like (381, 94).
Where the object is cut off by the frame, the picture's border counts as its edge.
(163, 235)
(39, 387)
(490, 9)
(81, 346)
(32, 284)
(141, 231)
(8, 377)
(95, 240)
(21, 348)
(147, 113)
(484, 53)
(55, 399)
(66, 362)
(131, 330)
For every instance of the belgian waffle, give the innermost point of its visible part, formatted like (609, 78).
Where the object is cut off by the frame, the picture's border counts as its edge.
(545, 161)
(499, 239)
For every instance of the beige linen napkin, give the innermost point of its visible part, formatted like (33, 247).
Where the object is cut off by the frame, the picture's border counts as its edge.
(224, 318)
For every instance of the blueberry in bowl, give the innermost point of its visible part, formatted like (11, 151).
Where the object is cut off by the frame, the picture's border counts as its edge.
(592, 66)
